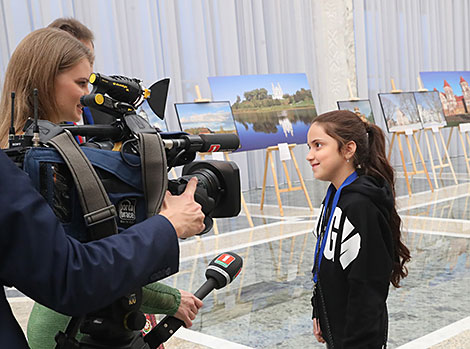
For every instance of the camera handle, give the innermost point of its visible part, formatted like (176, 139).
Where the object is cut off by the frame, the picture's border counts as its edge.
(117, 326)
(66, 340)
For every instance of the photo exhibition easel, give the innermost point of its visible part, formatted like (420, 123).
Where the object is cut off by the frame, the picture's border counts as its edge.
(199, 99)
(464, 133)
(407, 133)
(269, 158)
(443, 161)
(463, 130)
(352, 97)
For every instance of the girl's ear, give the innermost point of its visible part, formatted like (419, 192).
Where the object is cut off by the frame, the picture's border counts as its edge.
(349, 149)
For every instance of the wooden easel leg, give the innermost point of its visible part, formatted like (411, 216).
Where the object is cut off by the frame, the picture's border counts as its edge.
(289, 182)
(276, 184)
(430, 158)
(446, 155)
(302, 184)
(422, 161)
(447, 144)
(391, 146)
(413, 162)
(442, 162)
(468, 142)
(245, 208)
(418, 133)
(215, 227)
(242, 199)
(448, 159)
(264, 179)
(465, 154)
(465, 210)
(404, 165)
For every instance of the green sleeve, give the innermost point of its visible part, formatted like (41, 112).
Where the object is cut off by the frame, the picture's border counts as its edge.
(43, 325)
(159, 298)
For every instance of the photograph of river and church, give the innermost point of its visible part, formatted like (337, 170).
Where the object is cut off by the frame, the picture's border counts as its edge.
(360, 107)
(211, 117)
(454, 93)
(268, 109)
(430, 109)
(400, 111)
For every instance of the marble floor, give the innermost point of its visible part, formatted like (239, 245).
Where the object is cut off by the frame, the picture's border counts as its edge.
(268, 304)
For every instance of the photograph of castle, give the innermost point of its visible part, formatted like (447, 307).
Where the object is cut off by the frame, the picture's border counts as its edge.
(454, 93)
(268, 109)
(212, 117)
(400, 111)
(147, 113)
(430, 109)
(361, 108)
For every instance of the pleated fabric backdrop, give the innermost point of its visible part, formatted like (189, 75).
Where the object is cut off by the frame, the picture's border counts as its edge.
(365, 41)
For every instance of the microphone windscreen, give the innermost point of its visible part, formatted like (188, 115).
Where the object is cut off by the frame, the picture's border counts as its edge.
(224, 268)
(219, 142)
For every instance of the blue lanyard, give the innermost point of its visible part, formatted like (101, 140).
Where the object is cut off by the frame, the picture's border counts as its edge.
(348, 181)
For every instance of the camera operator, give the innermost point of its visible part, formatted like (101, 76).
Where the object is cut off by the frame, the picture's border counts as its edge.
(62, 76)
(39, 54)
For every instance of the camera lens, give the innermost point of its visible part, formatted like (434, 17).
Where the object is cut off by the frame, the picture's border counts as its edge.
(209, 181)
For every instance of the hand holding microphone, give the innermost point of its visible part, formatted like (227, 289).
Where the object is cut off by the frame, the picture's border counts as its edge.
(188, 309)
(221, 271)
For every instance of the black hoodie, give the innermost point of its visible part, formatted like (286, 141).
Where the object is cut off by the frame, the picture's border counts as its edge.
(350, 296)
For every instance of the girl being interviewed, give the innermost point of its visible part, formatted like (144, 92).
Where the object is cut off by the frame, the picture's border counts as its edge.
(359, 249)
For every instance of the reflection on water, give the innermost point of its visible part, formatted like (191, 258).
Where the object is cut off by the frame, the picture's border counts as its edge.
(286, 126)
(267, 122)
(258, 130)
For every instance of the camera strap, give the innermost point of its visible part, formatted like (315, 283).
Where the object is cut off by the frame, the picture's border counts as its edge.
(99, 212)
(154, 170)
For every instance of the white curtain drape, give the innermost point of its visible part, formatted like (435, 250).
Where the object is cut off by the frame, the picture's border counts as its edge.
(400, 38)
(189, 40)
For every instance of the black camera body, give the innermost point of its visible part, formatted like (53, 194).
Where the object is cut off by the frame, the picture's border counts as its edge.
(218, 189)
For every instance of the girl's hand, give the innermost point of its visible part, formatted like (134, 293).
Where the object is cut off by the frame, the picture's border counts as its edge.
(188, 308)
(317, 331)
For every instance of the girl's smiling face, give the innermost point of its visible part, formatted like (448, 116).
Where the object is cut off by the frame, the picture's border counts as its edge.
(327, 161)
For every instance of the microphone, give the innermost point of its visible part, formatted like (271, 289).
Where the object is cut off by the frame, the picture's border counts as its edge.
(219, 142)
(221, 271)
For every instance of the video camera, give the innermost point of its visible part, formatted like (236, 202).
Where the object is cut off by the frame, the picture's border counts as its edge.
(113, 102)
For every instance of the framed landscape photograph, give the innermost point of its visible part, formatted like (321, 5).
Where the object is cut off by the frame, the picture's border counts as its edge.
(400, 111)
(430, 109)
(147, 113)
(453, 91)
(210, 117)
(361, 108)
(267, 109)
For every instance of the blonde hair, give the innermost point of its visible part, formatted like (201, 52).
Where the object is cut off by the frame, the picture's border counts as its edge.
(36, 62)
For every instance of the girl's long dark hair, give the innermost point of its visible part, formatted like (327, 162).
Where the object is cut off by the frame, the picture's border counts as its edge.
(370, 159)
